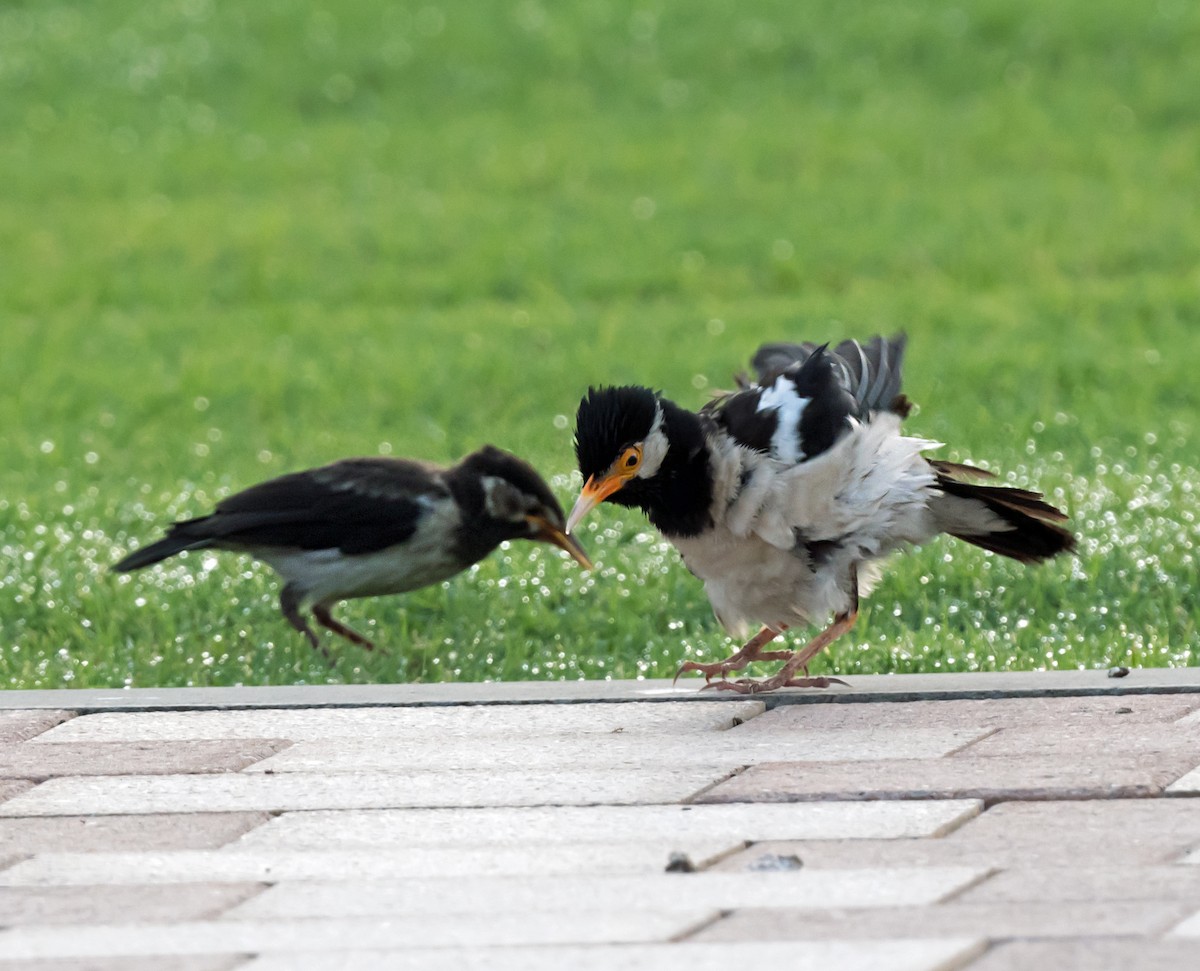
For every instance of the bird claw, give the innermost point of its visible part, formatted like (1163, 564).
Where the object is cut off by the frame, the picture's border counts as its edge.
(708, 670)
(734, 663)
(748, 686)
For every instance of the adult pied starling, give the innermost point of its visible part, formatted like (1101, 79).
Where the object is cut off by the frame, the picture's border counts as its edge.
(784, 496)
(367, 527)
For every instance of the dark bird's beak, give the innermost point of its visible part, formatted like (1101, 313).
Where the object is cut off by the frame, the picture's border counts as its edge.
(594, 492)
(548, 532)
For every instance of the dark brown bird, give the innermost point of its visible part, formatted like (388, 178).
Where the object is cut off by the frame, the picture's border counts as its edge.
(368, 527)
(784, 496)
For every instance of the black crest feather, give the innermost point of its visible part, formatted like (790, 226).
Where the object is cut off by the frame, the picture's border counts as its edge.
(608, 419)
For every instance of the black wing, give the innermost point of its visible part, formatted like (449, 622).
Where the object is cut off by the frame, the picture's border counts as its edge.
(356, 506)
(807, 394)
(871, 373)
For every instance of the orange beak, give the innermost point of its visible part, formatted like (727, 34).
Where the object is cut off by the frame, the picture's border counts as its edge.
(550, 533)
(593, 494)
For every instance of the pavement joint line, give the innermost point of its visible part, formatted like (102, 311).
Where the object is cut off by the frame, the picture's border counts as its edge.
(691, 799)
(701, 925)
(979, 881)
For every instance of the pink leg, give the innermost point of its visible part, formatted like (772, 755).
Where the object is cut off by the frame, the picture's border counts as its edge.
(289, 603)
(799, 660)
(752, 650)
(325, 619)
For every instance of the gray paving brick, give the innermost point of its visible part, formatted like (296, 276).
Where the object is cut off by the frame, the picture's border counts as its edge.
(1084, 883)
(661, 891)
(993, 778)
(45, 761)
(85, 834)
(101, 795)
(1103, 954)
(730, 749)
(315, 724)
(274, 865)
(17, 725)
(157, 962)
(1189, 927)
(572, 824)
(998, 920)
(13, 787)
(1187, 785)
(894, 955)
(1098, 738)
(1193, 718)
(1054, 713)
(1119, 832)
(120, 904)
(394, 931)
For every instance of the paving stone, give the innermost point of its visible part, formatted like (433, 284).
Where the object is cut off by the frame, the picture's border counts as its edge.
(1083, 883)
(120, 904)
(1117, 832)
(525, 752)
(1191, 719)
(570, 824)
(1188, 785)
(1055, 713)
(275, 865)
(953, 919)
(993, 779)
(1095, 738)
(315, 724)
(662, 891)
(157, 962)
(48, 760)
(1189, 927)
(1104, 954)
(21, 724)
(86, 834)
(894, 955)
(394, 931)
(13, 787)
(101, 795)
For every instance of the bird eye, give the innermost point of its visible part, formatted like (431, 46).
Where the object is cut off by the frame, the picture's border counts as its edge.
(631, 458)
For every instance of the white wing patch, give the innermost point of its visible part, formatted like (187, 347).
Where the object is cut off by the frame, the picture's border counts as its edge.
(789, 407)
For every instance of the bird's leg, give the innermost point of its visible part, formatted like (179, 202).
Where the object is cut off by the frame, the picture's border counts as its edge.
(289, 603)
(752, 650)
(325, 619)
(799, 660)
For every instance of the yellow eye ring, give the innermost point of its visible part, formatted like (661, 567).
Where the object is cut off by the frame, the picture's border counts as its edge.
(630, 460)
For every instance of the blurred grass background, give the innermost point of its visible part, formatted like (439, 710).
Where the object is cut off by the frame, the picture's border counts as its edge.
(241, 239)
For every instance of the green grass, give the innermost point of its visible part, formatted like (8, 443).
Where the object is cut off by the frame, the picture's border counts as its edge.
(241, 239)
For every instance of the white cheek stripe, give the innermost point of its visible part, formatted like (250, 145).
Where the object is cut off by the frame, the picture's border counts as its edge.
(654, 447)
(785, 442)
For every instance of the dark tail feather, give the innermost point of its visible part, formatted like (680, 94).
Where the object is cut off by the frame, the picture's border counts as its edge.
(1012, 522)
(147, 555)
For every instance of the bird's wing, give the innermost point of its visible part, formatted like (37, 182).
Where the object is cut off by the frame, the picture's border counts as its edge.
(808, 395)
(870, 372)
(356, 506)
(870, 489)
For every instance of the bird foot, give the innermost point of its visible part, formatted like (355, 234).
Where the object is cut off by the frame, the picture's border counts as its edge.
(722, 668)
(748, 686)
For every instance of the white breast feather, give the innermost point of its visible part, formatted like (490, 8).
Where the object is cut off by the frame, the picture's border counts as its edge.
(872, 485)
(870, 492)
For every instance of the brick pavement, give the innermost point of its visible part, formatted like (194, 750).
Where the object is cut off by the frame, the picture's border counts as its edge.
(638, 827)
